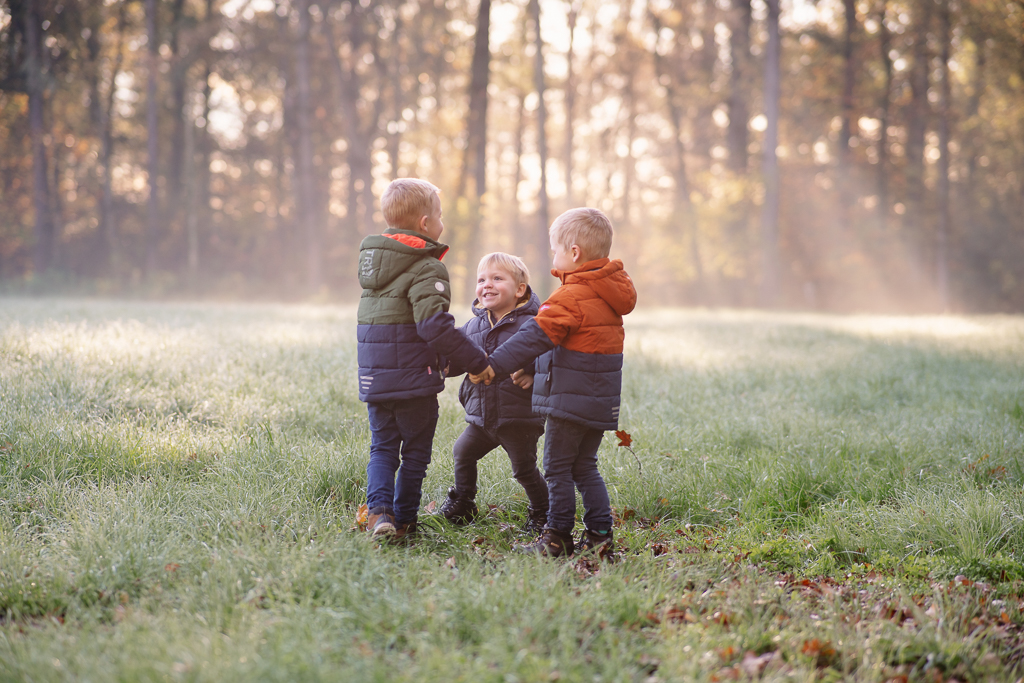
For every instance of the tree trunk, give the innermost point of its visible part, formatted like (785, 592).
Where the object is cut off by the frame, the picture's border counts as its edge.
(476, 127)
(397, 99)
(973, 136)
(179, 75)
(519, 244)
(846, 131)
(307, 212)
(476, 135)
(35, 78)
(770, 165)
(191, 191)
(152, 139)
(570, 103)
(737, 138)
(917, 116)
(293, 243)
(882, 176)
(942, 187)
(358, 153)
(684, 214)
(542, 148)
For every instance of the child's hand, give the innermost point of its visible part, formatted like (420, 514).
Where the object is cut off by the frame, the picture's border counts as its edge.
(486, 376)
(522, 380)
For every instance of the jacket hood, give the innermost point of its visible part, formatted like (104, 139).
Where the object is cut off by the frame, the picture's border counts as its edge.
(528, 304)
(384, 257)
(608, 279)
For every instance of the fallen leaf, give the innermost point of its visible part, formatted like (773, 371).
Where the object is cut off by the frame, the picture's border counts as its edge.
(726, 653)
(171, 567)
(450, 562)
(431, 506)
(625, 440)
(361, 514)
(753, 665)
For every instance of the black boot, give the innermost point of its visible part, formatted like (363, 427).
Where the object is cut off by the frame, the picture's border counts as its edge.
(458, 508)
(597, 542)
(535, 520)
(552, 543)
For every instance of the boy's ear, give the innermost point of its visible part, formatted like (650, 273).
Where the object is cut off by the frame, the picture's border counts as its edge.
(421, 224)
(577, 253)
(520, 290)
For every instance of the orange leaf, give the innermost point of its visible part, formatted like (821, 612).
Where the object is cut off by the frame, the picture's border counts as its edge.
(171, 567)
(625, 440)
(361, 514)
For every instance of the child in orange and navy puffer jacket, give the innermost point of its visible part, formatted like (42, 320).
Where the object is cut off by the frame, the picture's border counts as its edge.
(577, 338)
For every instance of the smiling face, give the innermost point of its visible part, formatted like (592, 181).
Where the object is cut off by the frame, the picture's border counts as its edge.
(497, 290)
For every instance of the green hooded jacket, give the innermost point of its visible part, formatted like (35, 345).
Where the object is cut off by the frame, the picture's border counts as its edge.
(405, 332)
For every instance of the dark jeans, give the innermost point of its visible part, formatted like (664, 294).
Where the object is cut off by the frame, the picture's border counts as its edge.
(520, 442)
(401, 439)
(570, 457)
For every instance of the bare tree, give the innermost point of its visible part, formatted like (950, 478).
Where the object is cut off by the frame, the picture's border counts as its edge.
(475, 156)
(770, 163)
(846, 129)
(682, 204)
(739, 85)
(35, 82)
(152, 138)
(882, 175)
(942, 222)
(570, 101)
(917, 118)
(307, 211)
(358, 153)
(542, 140)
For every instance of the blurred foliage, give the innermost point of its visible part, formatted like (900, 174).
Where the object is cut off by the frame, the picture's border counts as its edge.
(853, 234)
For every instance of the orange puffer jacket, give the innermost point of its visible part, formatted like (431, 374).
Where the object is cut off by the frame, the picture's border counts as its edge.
(576, 338)
(585, 313)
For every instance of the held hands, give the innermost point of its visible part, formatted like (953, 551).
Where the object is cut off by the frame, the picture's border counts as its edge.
(519, 377)
(522, 380)
(486, 376)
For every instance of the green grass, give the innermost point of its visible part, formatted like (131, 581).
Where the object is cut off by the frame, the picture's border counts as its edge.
(816, 497)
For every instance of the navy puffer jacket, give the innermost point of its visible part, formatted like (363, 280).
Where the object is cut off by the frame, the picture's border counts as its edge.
(501, 403)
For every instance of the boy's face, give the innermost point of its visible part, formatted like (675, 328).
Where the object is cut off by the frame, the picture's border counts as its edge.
(497, 291)
(431, 225)
(562, 258)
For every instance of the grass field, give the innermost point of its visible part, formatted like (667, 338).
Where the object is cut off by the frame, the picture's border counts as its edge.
(806, 498)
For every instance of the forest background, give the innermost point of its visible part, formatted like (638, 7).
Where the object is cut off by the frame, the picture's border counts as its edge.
(839, 155)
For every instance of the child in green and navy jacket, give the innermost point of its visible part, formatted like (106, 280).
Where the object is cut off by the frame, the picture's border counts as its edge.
(405, 337)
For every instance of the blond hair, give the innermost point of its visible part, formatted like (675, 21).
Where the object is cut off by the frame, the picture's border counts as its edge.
(589, 229)
(513, 265)
(406, 200)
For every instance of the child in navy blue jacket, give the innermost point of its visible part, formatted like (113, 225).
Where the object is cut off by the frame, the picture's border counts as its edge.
(499, 414)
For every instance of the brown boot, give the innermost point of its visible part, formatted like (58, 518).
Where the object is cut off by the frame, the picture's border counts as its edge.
(404, 531)
(598, 543)
(552, 543)
(381, 523)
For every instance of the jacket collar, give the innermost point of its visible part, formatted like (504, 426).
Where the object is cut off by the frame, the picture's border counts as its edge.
(416, 240)
(529, 303)
(596, 264)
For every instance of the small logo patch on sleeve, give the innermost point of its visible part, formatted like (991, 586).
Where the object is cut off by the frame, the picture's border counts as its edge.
(439, 286)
